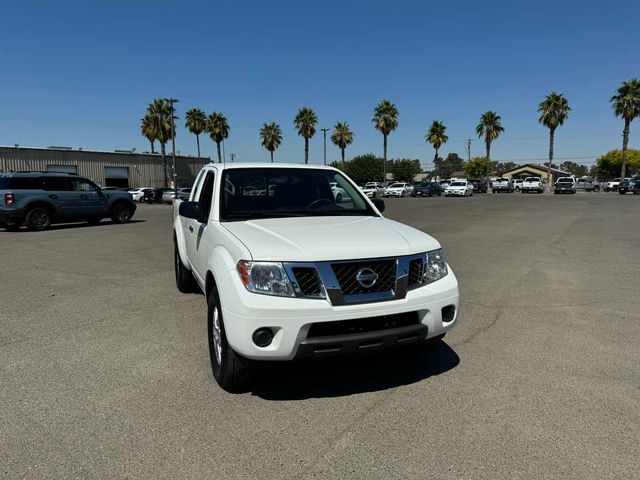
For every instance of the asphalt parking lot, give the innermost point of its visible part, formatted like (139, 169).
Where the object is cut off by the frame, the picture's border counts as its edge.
(104, 369)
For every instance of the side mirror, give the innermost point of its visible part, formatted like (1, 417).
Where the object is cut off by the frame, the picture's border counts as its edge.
(190, 210)
(379, 203)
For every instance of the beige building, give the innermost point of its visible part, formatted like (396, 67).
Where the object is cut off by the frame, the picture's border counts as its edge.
(120, 168)
(530, 170)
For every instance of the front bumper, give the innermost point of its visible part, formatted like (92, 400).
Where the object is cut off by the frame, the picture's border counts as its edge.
(292, 318)
(461, 193)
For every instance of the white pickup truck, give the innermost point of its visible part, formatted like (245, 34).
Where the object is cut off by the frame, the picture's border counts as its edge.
(293, 274)
(532, 184)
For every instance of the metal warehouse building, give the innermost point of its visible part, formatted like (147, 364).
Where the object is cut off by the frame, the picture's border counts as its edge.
(119, 168)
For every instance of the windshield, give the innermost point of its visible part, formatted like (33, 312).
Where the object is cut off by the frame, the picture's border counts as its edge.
(396, 185)
(249, 193)
(458, 184)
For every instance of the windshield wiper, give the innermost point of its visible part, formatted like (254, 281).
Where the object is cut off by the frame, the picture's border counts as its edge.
(261, 214)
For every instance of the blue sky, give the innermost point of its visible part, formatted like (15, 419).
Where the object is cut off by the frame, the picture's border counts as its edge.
(81, 73)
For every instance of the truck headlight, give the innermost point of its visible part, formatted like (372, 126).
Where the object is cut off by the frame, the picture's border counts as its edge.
(269, 278)
(436, 267)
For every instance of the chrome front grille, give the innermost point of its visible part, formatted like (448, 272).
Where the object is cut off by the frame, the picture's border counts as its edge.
(347, 275)
(351, 282)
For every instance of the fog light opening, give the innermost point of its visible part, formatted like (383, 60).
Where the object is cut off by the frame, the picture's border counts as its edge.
(263, 337)
(448, 313)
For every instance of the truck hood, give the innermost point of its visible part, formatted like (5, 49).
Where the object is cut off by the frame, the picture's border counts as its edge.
(309, 239)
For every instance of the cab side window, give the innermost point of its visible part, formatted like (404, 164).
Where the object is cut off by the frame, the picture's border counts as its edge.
(82, 185)
(56, 184)
(206, 194)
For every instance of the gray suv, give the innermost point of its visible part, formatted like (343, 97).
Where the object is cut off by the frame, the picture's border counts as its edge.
(38, 199)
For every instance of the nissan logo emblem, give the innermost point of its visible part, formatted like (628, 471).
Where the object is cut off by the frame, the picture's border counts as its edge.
(366, 277)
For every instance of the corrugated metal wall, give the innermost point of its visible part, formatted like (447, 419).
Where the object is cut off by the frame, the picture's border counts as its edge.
(145, 170)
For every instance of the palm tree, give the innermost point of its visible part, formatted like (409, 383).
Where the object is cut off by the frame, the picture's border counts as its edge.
(626, 104)
(196, 123)
(436, 136)
(271, 136)
(341, 137)
(490, 128)
(148, 130)
(554, 110)
(218, 129)
(385, 119)
(305, 123)
(159, 112)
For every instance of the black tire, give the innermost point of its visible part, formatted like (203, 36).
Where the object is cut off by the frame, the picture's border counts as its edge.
(121, 213)
(226, 365)
(596, 189)
(38, 218)
(621, 192)
(12, 225)
(184, 278)
(429, 194)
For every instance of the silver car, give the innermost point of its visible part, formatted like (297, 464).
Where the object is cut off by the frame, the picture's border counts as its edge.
(169, 195)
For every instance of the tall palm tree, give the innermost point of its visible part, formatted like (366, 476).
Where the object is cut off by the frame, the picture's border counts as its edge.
(218, 128)
(159, 112)
(271, 136)
(626, 104)
(490, 128)
(341, 137)
(436, 136)
(305, 123)
(385, 120)
(196, 123)
(553, 110)
(148, 130)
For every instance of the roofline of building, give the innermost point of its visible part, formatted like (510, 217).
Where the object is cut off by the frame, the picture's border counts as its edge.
(532, 165)
(82, 150)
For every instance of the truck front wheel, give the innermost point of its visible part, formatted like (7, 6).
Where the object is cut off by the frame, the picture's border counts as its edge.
(226, 365)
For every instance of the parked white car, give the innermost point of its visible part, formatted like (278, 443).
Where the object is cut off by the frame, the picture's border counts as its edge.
(137, 193)
(532, 184)
(373, 189)
(398, 189)
(278, 288)
(338, 192)
(516, 184)
(459, 189)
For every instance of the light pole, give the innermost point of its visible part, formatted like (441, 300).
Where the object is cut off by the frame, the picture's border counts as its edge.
(324, 133)
(173, 147)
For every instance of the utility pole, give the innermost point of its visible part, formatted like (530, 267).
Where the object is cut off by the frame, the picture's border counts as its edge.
(469, 149)
(232, 156)
(173, 146)
(324, 133)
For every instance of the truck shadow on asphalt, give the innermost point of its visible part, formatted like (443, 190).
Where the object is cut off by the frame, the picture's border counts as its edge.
(347, 377)
(70, 226)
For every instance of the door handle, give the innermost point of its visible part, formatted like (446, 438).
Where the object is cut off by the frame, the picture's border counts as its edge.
(191, 228)
(53, 196)
(83, 196)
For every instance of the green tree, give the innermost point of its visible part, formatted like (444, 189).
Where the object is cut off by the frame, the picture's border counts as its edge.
(444, 168)
(609, 165)
(553, 110)
(626, 104)
(405, 169)
(271, 137)
(362, 168)
(477, 167)
(342, 136)
(148, 130)
(159, 111)
(218, 129)
(436, 136)
(502, 167)
(305, 122)
(196, 123)
(385, 120)
(574, 169)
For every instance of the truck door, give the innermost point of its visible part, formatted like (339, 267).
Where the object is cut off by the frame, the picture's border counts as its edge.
(196, 236)
(87, 197)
